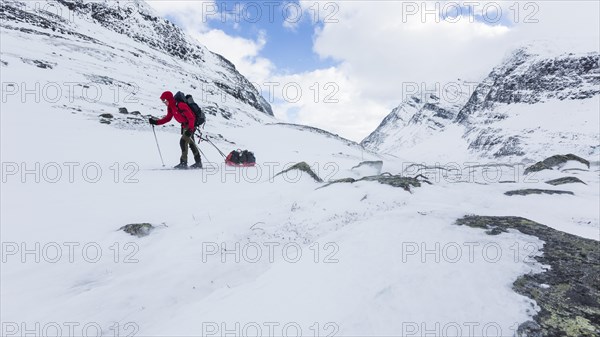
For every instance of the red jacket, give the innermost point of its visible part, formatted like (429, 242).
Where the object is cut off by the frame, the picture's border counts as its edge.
(182, 112)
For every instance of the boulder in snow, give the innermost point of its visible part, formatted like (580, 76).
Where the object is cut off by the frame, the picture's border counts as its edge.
(138, 229)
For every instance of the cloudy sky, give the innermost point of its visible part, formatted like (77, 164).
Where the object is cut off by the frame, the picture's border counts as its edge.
(343, 65)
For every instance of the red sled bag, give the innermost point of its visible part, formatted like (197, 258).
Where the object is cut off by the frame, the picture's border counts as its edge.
(240, 158)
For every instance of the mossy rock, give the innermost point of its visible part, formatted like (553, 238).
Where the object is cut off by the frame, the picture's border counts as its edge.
(570, 297)
(385, 178)
(396, 181)
(551, 162)
(536, 191)
(565, 180)
(304, 167)
(529, 329)
(138, 229)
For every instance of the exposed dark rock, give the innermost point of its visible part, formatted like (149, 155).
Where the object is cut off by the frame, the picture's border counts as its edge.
(536, 191)
(138, 229)
(107, 115)
(554, 161)
(225, 113)
(304, 167)
(225, 139)
(510, 146)
(495, 230)
(42, 64)
(564, 180)
(568, 293)
(123, 111)
(210, 110)
(18, 12)
(39, 63)
(529, 329)
(337, 181)
(385, 178)
(105, 121)
(136, 113)
(377, 164)
(101, 79)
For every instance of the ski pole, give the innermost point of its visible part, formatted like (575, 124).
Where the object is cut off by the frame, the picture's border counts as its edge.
(159, 153)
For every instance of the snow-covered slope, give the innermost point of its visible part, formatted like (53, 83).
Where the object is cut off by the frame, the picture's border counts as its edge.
(116, 54)
(375, 260)
(416, 120)
(238, 251)
(542, 100)
(370, 253)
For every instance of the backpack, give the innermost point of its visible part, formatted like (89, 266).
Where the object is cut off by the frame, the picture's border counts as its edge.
(189, 100)
(234, 157)
(248, 157)
(240, 158)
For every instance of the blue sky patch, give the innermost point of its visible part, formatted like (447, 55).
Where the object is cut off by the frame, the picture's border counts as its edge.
(288, 46)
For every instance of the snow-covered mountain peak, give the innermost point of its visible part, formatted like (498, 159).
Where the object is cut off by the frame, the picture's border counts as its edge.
(541, 100)
(556, 47)
(126, 44)
(418, 117)
(535, 73)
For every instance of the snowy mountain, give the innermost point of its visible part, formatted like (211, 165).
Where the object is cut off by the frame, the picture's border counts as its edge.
(542, 100)
(417, 119)
(99, 239)
(119, 54)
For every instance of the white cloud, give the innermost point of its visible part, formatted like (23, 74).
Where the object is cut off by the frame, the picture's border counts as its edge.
(381, 46)
(378, 53)
(327, 99)
(242, 52)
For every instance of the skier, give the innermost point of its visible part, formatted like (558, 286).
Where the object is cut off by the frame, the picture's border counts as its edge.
(184, 115)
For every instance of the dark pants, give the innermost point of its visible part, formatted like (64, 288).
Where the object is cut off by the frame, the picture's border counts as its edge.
(186, 141)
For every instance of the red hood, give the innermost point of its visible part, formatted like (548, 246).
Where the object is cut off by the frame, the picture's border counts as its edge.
(168, 96)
